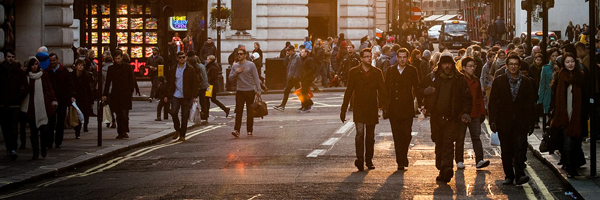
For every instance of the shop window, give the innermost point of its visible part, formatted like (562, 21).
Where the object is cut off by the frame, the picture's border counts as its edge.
(151, 38)
(136, 37)
(151, 23)
(137, 23)
(122, 9)
(137, 52)
(105, 23)
(136, 9)
(122, 37)
(122, 23)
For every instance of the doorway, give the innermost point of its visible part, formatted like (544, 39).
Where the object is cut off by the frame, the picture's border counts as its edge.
(322, 19)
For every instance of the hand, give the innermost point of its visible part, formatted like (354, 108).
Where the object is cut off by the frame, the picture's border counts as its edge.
(343, 116)
(104, 98)
(166, 99)
(258, 94)
(240, 70)
(466, 118)
(195, 100)
(429, 90)
(72, 99)
(493, 127)
(54, 105)
(138, 93)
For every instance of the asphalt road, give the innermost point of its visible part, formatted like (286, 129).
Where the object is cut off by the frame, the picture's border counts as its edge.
(290, 156)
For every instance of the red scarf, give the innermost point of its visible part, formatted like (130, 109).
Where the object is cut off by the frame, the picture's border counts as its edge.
(561, 118)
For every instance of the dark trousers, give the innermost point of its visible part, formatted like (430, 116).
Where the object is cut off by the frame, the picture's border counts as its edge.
(475, 131)
(183, 104)
(364, 142)
(216, 101)
(573, 154)
(122, 120)
(9, 120)
(23, 128)
(241, 98)
(401, 130)
(204, 103)
(162, 105)
(307, 103)
(443, 134)
(56, 125)
(38, 135)
(154, 85)
(86, 110)
(290, 84)
(513, 143)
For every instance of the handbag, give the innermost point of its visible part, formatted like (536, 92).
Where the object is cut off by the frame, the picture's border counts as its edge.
(546, 143)
(198, 116)
(259, 107)
(72, 119)
(106, 115)
(494, 140)
(209, 91)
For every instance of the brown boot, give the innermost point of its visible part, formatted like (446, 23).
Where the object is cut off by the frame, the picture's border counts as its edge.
(175, 135)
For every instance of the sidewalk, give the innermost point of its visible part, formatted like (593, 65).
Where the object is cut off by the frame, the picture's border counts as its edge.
(588, 188)
(75, 153)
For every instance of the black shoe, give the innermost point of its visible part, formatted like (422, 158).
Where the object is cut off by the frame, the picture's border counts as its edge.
(157, 119)
(227, 112)
(359, 165)
(22, 146)
(371, 166)
(107, 125)
(58, 146)
(440, 180)
(43, 151)
(508, 181)
(522, 180)
(447, 173)
(36, 155)
(401, 168)
(13, 155)
(113, 125)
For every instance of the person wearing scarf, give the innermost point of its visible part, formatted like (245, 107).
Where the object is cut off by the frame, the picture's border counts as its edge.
(570, 112)
(511, 114)
(39, 103)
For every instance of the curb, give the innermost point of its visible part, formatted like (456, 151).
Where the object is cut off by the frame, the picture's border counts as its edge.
(53, 170)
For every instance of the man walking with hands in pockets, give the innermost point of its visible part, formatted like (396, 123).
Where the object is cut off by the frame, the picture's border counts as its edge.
(367, 84)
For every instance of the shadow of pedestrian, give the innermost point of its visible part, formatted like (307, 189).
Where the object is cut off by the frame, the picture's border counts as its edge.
(479, 189)
(392, 188)
(348, 189)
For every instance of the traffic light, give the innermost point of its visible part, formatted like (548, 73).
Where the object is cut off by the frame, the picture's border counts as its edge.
(404, 7)
(525, 5)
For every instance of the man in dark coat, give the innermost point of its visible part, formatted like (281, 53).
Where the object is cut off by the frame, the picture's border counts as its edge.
(121, 77)
(152, 63)
(401, 80)
(512, 115)
(13, 87)
(183, 87)
(365, 85)
(448, 100)
(64, 90)
(351, 60)
(208, 49)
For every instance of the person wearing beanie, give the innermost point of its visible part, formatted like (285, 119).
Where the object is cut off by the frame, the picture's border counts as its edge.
(512, 115)
(449, 102)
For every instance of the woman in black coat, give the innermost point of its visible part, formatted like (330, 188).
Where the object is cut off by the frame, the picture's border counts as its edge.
(83, 94)
(212, 71)
(257, 60)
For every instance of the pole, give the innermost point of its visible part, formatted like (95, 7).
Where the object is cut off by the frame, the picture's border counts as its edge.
(529, 12)
(219, 32)
(593, 68)
(544, 43)
(99, 102)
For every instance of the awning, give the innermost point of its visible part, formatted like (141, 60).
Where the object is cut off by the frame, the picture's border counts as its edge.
(444, 18)
(432, 17)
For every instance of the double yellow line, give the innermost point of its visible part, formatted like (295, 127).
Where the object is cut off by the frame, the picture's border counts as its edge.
(113, 162)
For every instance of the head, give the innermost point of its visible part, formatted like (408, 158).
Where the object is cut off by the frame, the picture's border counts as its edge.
(117, 56)
(91, 54)
(288, 43)
(520, 50)
(500, 55)
(33, 65)
(468, 64)
(290, 50)
(569, 61)
(538, 59)
(553, 52)
(176, 35)
(79, 65)
(513, 64)
(10, 56)
(43, 49)
(161, 79)
(366, 56)
(241, 46)
(402, 56)
(524, 69)
(256, 45)
(155, 51)
(351, 48)
(490, 57)
(53, 60)
(108, 59)
(209, 40)
(415, 55)
(304, 53)
(535, 50)
(192, 60)
(386, 50)
(426, 54)
(580, 49)
(446, 63)
(461, 52)
(181, 58)
(241, 53)
(126, 58)
(211, 58)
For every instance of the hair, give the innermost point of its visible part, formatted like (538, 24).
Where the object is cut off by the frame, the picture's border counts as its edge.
(492, 55)
(91, 53)
(403, 50)
(117, 52)
(579, 45)
(395, 47)
(436, 57)
(577, 73)
(126, 58)
(415, 54)
(564, 57)
(498, 54)
(288, 43)
(365, 50)
(43, 49)
(161, 79)
(476, 48)
(108, 59)
(9, 51)
(552, 50)
(513, 57)
(476, 54)
(81, 51)
(386, 49)
(495, 49)
(192, 61)
(208, 38)
(211, 57)
(350, 44)
(290, 48)
(51, 55)
(181, 53)
(257, 44)
(301, 46)
(462, 51)
(538, 55)
(32, 60)
(79, 61)
(466, 60)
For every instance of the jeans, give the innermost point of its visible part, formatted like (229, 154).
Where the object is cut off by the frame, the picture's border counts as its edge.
(216, 101)
(56, 122)
(241, 98)
(9, 120)
(401, 130)
(513, 143)
(324, 73)
(183, 104)
(204, 104)
(475, 131)
(162, 105)
(291, 83)
(361, 140)
(122, 121)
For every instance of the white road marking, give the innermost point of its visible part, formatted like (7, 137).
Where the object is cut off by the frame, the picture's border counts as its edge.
(331, 141)
(316, 153)
(545, 193)
(345, 128)
(384, 134)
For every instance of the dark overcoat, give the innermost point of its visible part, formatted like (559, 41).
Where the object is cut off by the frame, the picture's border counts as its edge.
(368, 93)
(400, 91)
(504, 111)
(122, 80)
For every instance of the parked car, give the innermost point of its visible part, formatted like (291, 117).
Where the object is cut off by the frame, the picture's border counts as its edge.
(454, 35)
(434, 32)
(538, 35)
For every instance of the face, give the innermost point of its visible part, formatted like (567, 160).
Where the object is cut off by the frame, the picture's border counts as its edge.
(350, 49)
(535, 50)
(366, 58)
(513, 66)
(181, 59)
(570, 63)
(241, 55)
(470, 68)
(447, 67)
(290, 52)
(10, 58)
(118, 59)
(255, 46)
(581, 52)
(554, 56)
(53, 61)
(490, 59)
(520, 51)
(402, 58)
(35, 67)
(154, 52)
(79, 67)
(303, 53)
(502, 56)
(538, 61)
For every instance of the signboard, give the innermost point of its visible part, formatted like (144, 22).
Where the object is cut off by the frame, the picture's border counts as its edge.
(178, 23)
(161, 70)
(415, 13)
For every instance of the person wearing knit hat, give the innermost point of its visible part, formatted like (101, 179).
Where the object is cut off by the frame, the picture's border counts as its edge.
(449, 102)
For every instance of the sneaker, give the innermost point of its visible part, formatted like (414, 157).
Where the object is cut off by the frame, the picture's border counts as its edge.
(235, 134)
(13, 155)
(483, 163)
(305, 110)
(279, 108)
(125, 135)
(460, 165)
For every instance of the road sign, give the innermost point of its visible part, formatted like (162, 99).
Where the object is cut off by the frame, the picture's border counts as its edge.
(460, 17)
(415, 13)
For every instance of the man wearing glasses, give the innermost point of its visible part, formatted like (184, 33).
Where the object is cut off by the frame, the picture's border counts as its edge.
(367, 89)
(511, 111)
(183, 89)
(13, 87)
(248, 86)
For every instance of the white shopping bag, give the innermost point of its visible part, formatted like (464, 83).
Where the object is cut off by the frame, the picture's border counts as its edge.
(494, 140)
(79, 113)
(193, 111)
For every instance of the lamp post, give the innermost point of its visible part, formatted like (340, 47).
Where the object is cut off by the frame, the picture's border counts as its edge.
(219, 24)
